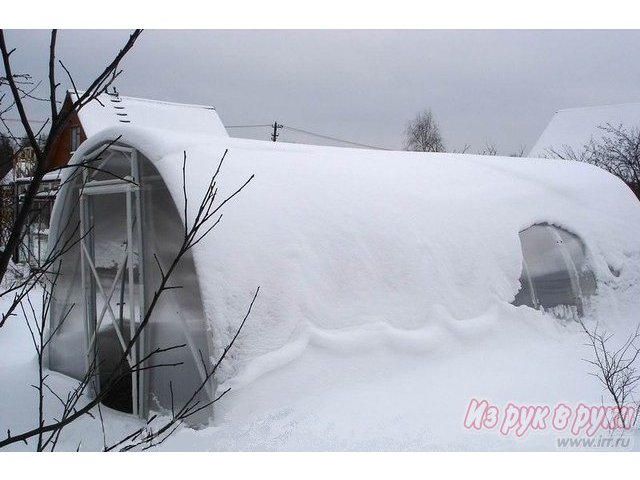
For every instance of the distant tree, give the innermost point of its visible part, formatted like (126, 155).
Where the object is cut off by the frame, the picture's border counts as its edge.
(617, 152)
(518, 153)
(465, 148)
(423, 134)
(489, 149)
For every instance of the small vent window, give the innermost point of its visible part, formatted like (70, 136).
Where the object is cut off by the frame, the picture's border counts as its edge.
(554, 270)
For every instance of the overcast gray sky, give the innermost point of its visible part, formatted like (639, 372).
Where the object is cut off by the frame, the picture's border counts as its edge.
(482, 85)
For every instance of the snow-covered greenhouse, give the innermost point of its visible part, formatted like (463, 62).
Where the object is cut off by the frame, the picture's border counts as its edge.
(396, 244)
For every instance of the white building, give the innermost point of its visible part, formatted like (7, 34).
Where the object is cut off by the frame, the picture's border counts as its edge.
(573, 128)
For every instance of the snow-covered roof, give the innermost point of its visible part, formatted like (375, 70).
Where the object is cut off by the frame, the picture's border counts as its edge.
(573, 128)
(54, 176)
(112, 110)
(392, 242)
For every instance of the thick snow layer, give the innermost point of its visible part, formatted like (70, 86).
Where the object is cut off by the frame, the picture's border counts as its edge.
(573, 128)
(343, 238)
(386, 280)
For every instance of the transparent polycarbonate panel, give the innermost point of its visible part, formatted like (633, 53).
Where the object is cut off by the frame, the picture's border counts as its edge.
(575, 248)
(113, 298)
(109, 233)
(67, 352)
(555, 272)
(109, 165)
(178, 317)
(525, 295)
(550, 276)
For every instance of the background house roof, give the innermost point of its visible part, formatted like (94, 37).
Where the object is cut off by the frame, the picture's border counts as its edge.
(574, 127)
(113, 110)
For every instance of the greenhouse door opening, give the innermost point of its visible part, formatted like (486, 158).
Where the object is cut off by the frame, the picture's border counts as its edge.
(121, 223)
(111, 268)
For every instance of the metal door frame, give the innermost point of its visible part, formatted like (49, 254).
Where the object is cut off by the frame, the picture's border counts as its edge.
(129, 187)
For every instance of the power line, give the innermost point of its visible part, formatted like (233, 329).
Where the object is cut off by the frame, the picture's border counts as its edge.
(17, 120)
(248, 126)
(327, 137)
(300, 130)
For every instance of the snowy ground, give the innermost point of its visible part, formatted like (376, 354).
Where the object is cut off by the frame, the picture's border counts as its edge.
(365, 388)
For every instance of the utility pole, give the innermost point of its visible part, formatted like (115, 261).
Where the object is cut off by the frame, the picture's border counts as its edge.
(275, 133)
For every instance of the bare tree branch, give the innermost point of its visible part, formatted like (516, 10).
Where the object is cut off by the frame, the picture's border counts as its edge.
(617, 151)
(616, 370)
(58, 121)
(52, 75)
(16, 94)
